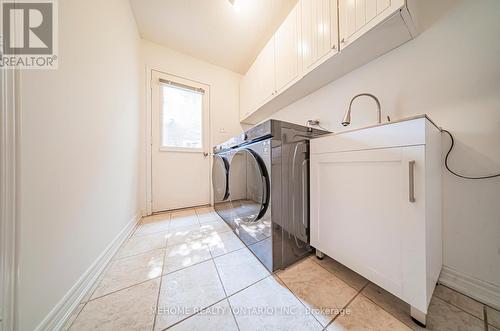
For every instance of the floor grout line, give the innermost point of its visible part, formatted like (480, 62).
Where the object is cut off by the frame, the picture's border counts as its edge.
(485, 318)
(462, 309)
(459, 308)
(159, 287)
(76, 317)
(168, 273)
(293, 293)
(192, 315)
(137, 254)
(345, 307)
(225, 292)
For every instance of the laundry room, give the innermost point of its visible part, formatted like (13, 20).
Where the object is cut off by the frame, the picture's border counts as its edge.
(250, 165)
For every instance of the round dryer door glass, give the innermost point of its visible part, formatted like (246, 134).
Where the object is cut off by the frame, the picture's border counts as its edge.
(219, 178)
(248, 186)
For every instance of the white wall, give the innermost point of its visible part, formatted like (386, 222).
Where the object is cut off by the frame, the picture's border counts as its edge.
(224, 92)
(452, 73)
(79, 152)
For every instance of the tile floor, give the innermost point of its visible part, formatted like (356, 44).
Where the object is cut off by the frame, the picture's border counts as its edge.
(186, 270)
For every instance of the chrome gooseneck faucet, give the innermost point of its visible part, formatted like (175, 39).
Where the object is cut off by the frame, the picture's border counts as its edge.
(347, 117)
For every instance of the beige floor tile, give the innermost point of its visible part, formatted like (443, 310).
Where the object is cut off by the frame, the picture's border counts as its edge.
(183, 212)
(142, 244)
(391, 304)
(150, 227)
(445, 317)
(204, 210)
(215, 226)
(188, 221)
(71, 319)
(493, 317)
(215, 318)
(155, 217)
(239, 269)
(441, 315)
(349, 276)
(186, 292)
(129, 271)
(362, 314)
(184, 255)
(208, 217)
(129, 309)
(269, 305)
(459, 300)
(318, 289)
(184, 235)
(222, 243)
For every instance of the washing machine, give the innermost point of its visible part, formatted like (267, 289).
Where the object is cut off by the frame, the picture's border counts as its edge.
(261, 190)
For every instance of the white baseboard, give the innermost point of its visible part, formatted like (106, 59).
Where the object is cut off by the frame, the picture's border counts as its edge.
(61, 312)
(482, 291)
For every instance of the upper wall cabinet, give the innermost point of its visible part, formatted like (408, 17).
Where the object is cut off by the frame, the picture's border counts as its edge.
(319, 41)
(259, 84)
(288, 49)
(319, 31)
(359, 16)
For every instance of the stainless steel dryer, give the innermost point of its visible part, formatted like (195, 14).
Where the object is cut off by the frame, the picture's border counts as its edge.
(261, 190)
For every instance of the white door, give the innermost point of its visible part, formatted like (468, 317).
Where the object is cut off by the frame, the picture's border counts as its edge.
(180, 166)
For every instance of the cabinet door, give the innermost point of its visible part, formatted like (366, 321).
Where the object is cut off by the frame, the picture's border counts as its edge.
(363, 216)
(288, 49)
(357, 17)
(248, 93)
(258, 85)
(319, 31)
(265, 72)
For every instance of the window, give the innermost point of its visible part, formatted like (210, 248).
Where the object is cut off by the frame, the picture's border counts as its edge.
(181, 116)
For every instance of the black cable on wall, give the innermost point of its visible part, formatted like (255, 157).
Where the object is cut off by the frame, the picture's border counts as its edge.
(455, 173)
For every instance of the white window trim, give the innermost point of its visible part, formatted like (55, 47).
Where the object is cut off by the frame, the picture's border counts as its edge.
(181, 149)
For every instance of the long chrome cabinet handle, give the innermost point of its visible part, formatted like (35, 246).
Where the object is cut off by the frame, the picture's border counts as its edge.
(411, 178)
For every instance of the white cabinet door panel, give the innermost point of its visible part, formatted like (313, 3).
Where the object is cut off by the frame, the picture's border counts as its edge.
(360, 10)
(361, 214)
(319, 31)
(265, 66)
(359, 16)
(288, 49)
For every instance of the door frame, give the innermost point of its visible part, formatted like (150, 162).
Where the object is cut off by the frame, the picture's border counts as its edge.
(149, 134)
(9, 177)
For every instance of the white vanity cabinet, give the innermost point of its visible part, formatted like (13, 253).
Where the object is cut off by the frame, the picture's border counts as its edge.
(376, 205)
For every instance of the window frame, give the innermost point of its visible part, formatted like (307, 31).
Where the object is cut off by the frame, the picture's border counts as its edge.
(185, 84)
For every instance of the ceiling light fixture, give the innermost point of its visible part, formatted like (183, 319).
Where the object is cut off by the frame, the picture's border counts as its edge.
(235, 4)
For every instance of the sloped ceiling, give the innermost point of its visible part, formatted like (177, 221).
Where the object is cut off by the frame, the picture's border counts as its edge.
(212, 30)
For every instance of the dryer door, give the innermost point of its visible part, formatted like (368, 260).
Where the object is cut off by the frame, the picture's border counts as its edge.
(220, 170)
(248, 186)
